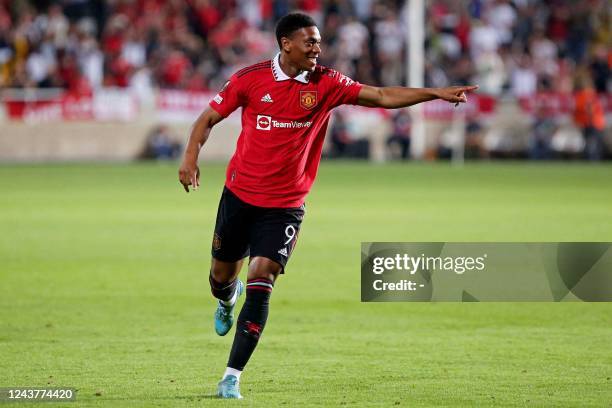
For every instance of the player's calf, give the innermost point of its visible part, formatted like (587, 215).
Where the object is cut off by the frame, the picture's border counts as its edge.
(251, 322)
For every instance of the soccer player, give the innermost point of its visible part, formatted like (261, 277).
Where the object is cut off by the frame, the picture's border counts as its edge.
(286, 104)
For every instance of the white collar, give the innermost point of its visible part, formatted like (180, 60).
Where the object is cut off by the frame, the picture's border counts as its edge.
(279, 75)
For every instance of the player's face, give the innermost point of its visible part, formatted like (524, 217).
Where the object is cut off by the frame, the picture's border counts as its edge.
(305, 48)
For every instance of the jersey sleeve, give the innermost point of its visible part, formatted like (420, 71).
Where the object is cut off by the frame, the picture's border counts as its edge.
(229, 98)
(343, 90)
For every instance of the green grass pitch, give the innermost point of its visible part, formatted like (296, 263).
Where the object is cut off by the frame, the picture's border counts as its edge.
(103, 272)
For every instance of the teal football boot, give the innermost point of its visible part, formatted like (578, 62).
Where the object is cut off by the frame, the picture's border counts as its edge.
(224, 315)
(229, 388)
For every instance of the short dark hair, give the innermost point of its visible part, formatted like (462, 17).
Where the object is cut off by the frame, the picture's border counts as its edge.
(290, 23)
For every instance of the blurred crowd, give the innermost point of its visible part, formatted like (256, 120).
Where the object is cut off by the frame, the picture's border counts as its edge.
(519, 46)
(511, 48)
(506, 46)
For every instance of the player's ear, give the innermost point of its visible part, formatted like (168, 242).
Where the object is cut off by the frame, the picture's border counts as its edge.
(286, 44)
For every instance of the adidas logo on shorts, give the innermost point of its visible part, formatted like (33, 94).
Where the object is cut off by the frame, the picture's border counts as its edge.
(283, 251)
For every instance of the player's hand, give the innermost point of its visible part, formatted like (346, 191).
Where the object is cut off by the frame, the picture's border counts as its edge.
(189, 175)
(456, 94)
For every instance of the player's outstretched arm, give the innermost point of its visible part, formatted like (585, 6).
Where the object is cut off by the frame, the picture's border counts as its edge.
(392, 97)
(189, 172)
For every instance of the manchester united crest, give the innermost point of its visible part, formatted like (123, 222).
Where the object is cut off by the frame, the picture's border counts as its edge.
(216, 242)
(308, 99)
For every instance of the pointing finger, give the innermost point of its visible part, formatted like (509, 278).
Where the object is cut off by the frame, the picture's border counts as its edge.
(468, 88)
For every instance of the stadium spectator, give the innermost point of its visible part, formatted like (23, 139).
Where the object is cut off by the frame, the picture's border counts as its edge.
(40, 66)
(57, 26)
(490, 72)
(474, 148)
(542, 130)
(524, 80)
(352, 39)
(160, 145)
(600, 68)
(544, 52)
(483, 39)
(389, 37)
(589, 117)
(502, 16)
(400, 137)
(208, 16)
(90, 59)
(339, 136)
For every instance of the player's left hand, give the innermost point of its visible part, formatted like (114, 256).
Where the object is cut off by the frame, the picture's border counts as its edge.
(455, 94)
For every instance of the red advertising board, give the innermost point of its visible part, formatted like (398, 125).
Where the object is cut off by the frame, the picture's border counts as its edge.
(111, 104)
(105, 104)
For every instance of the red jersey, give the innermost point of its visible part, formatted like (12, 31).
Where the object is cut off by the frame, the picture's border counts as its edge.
(284, 121)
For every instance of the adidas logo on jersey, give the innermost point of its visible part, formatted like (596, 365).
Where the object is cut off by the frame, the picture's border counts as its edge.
(283, 251)
(267, 98)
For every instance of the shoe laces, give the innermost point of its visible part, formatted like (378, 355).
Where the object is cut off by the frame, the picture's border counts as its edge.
(231, 380)
(223, 310)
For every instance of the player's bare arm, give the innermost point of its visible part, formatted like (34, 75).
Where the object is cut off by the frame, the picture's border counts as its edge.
(399, 97)
(189, 172)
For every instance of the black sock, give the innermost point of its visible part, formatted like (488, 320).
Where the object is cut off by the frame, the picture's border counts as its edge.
(251, 322)
(222, 291)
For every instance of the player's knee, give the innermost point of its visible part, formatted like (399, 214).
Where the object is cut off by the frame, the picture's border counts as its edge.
(264, 268)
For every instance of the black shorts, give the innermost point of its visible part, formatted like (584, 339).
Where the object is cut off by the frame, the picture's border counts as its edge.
(243, 230)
